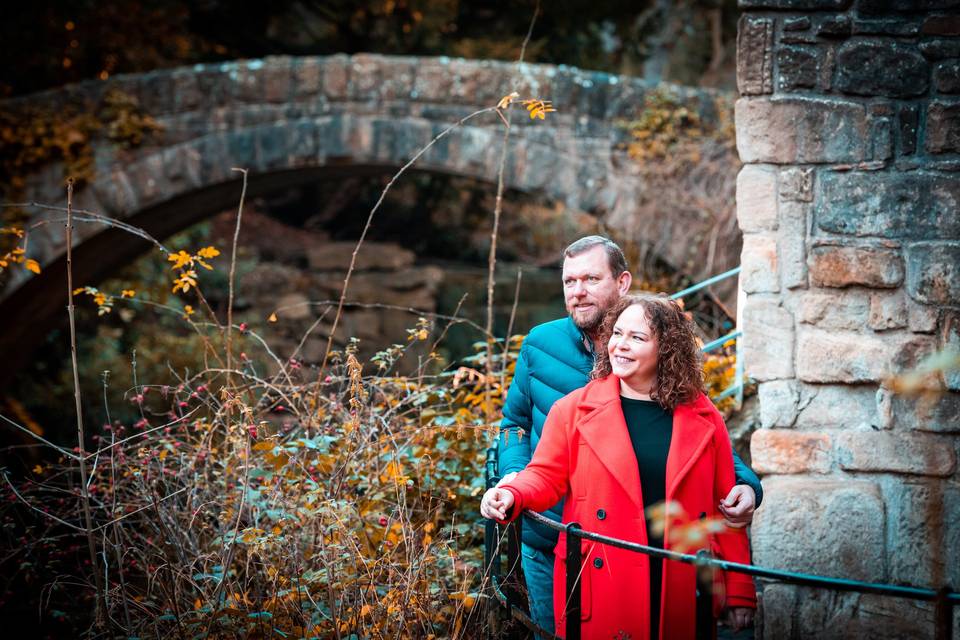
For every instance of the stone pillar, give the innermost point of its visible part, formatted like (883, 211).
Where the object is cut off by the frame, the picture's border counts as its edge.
(848, 125)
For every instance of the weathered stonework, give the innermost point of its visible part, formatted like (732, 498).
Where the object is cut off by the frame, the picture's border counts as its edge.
(841, 266)
(784, 451)
(864, 124)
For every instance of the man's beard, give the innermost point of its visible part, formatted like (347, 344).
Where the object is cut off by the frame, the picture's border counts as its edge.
(590, 325)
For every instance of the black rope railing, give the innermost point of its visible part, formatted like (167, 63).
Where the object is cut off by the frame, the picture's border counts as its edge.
(944, 599)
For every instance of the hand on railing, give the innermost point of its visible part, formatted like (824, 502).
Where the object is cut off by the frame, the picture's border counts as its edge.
(737, 508)
(496, 503)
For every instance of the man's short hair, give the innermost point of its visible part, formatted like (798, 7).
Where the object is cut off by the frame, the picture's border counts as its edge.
(615, 257)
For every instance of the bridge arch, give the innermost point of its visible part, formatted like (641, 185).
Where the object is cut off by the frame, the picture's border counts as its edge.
(291, 120)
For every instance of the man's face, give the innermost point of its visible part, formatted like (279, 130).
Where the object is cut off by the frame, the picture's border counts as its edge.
(589, 288)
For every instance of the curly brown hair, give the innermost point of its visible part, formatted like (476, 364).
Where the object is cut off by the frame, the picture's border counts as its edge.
(679, 359)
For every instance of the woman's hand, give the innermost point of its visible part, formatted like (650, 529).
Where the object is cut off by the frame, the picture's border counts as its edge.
(738, 617)
(495, 503)
(737, 508)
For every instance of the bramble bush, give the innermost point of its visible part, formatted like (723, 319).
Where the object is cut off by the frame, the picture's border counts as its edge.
(241, 504)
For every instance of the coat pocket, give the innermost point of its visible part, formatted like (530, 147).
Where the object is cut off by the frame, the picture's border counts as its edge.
(560, 581)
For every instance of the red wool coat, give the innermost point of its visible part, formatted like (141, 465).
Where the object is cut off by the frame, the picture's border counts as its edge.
(585, 454)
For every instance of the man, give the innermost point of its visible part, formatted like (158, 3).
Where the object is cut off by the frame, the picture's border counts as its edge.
(555, 359)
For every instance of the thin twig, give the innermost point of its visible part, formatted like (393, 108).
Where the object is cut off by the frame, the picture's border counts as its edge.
(366, 228)
(84, 491)
(233, 270)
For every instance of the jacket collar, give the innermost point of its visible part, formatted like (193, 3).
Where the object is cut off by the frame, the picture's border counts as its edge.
(582, 340)
(603, 427)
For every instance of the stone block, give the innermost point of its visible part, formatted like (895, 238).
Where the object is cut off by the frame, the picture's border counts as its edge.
(946, 76)
(950, 346)
(834, 310)
(796, 184)
(775, 612)
(888, 311)
(908, 123)
(335, 256)
(792, 244)
(758, 261)
(788, 451)
(836, 266)
(837, 26)
(888, 7)
(801, 130)
(797, 67)
(936, 412)
(755, 55)
(942, 25)
(778, 403)
(916, 518)
(757, 198)
(916, 204)
(827, 527)
(293, 306)
(795, 5)
(307, 76)
(834, 405)
(768, 340)
(933, 272)
(832, 356)
(922, 318)
(888, 451)
(336, 77)
(880, 68)
(943, 127)
(840, 616)
(951, 539)
(801, 23)
(940, 49)
(902, 26)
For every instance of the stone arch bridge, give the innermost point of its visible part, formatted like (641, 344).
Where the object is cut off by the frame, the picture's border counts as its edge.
(292, 120)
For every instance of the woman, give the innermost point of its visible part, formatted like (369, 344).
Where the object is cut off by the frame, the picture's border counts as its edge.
(641, 433)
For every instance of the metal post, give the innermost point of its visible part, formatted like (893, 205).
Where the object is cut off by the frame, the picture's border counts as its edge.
(572, 591)
(513, 578)
(706, 624)
(944, 616)
(491, 557)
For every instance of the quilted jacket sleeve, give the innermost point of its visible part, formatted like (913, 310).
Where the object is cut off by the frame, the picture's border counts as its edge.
(517, 423)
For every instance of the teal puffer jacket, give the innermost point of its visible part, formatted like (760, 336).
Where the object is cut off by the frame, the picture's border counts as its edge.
(554, 360)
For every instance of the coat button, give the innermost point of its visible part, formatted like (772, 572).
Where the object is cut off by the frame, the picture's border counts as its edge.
(597, 562)
(601, 514)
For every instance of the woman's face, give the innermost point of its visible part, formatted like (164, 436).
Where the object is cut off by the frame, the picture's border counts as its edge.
(633, 349)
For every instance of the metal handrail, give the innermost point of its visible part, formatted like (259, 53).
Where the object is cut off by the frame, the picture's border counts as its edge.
(945, 599)
(706, 283)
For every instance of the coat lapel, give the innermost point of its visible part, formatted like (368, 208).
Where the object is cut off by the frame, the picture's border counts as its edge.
(604, 430)
(692, 432)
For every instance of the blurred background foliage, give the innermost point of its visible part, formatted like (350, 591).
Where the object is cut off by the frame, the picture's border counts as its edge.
(53, 43)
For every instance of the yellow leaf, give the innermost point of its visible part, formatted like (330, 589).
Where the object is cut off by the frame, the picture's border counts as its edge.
(78, 291)
(365, 610)
(32, 265)
(127, 293)
(507, 99)
(272, 318)
(208, 252)
(38, 469)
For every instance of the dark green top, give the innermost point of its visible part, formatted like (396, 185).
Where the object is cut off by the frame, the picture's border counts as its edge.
(651, 428)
